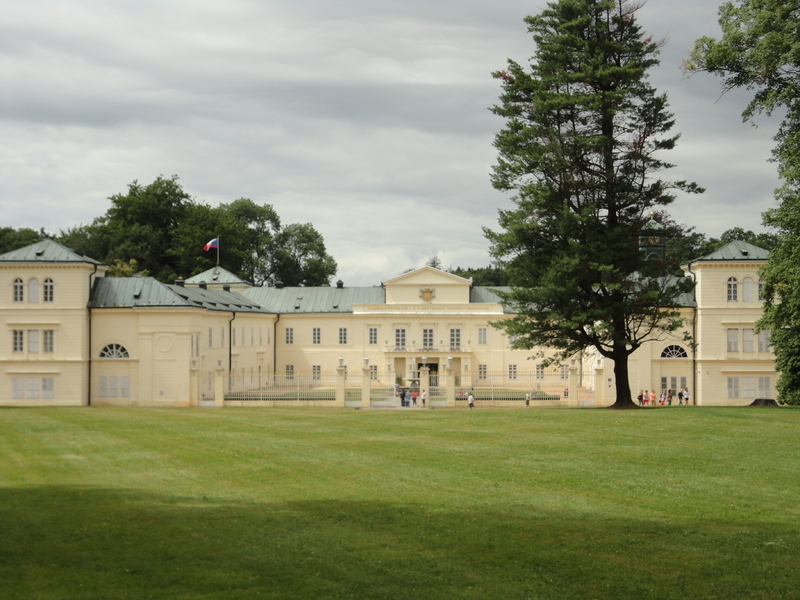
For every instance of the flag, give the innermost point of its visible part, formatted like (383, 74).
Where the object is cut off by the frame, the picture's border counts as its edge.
(212, 244)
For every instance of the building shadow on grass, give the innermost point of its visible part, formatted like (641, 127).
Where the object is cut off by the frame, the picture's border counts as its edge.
(75, 543)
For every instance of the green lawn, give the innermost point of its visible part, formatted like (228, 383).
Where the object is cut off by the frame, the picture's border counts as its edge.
(108, 503)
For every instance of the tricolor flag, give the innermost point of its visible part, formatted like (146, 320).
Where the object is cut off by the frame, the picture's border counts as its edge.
(212, 244)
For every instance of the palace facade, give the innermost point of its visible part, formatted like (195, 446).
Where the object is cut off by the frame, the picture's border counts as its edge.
(72, 336)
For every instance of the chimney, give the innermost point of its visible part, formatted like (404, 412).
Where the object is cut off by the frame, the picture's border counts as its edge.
(180, 282)
(203, 285)
(278, 285)
(226, 287)
(340, 284)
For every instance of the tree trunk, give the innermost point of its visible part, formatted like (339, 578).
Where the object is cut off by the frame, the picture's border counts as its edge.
(623, 386)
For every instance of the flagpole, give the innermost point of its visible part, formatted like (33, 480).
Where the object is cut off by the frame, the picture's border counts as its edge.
(217, 250)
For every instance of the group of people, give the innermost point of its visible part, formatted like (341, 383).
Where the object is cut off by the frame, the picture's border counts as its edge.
(409, 397)
(646, 397)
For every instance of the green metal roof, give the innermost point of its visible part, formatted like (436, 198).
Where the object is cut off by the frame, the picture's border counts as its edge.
(140, 292)
(46, 251)
(216, 276)
(314, 299)
(736, 250)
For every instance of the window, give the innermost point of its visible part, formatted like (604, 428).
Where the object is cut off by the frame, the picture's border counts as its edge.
(124, 387)
(289, 371)
(664, 384)
(764, 387)
(210, 337)
(747, 340)
(512, 372)
(481, 371)
(342, 335)
(33, 340)
(733, 289)
(733, 340)
(260, 336)
(564, 372)
(48, 290)
(244, 339)
(674, 351)
(289, 335)
(19, 340)
(316, 335)
(748, 387)
(760, 290)
(763, 341)
(252, 336)
(539, 369)
(47, 340)
(32, 388)
(455, 338)
(17, 388)
(748, 290)
(427, 338)
(482, 335)
(733, 387)
(221, 337)
(399, 338)
(373, 372)
(114, 351)
(33, 291)
(19, 290)
(316, 372)
(373, 335)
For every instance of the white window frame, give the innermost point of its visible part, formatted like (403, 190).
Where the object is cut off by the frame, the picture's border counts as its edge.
(49, 291)
(427, 338)
(733, 387)
(18, 340)
(399, 338)
(19, 290)
(455, 339)
(482, 336)
(373, 336)
(48, 341)
(316, 335)
(748, 387)
(288, 335)
(748, 290)
(763, 340)
(747, 340)
(342, 336)
(512, 372)
(33, 291)
(482, 371)
(33, 341)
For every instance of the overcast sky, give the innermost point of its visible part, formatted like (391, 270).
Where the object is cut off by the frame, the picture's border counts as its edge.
(368, 119)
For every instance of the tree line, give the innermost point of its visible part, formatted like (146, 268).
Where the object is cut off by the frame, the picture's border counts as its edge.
(158, 229)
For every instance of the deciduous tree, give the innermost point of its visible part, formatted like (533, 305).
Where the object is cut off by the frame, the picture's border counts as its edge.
(760, 51)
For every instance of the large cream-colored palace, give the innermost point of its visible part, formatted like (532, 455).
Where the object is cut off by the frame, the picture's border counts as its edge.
(72, 336)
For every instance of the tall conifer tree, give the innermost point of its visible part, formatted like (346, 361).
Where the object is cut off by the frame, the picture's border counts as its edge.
(580, 148)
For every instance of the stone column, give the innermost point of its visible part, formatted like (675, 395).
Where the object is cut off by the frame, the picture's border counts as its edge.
(573, 386)
(450, 383)
(340, 386)
(425, 384)
(366, 387)
(219, 387)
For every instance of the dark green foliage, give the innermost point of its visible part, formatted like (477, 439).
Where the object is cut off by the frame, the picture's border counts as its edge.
(164, 230)
(484, 276)
(11, 239)
(580, 147)
(760, 51)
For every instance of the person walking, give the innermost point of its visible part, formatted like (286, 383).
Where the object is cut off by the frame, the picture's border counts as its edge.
(646, 397)
(640, 397)
(471, 401)
(423, 397)
(653, 397)
(414, 397)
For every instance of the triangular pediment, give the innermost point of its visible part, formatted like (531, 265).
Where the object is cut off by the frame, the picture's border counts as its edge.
(427, 275)
(427, 286)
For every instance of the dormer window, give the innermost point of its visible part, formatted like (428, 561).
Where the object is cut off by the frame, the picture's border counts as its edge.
(733, 289)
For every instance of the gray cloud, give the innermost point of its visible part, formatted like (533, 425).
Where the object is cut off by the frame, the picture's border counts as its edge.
(368, 119)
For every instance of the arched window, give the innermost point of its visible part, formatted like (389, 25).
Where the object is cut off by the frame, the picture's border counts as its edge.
(733, 289)
(748, 290)
(19, 290)
(674, 351)
(48, 290)
(33, 290)
(114, 351)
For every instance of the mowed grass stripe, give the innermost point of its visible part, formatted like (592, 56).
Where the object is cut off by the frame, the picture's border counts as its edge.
(297, 503)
